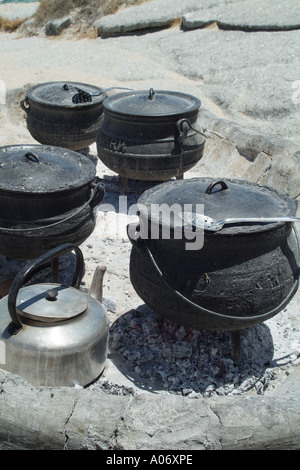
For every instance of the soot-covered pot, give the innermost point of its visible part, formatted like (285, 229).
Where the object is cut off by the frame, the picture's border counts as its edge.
(150, 135)
(64, 114)
(232, 278)
(48, 196)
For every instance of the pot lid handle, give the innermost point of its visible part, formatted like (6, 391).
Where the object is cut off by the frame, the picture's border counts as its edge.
(30, 267)
(32, 156)
(151, 94)
(81, 96)
(212, 185)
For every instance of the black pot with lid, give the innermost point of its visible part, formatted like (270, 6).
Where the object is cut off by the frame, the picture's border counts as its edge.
(48, 196)
(150, 135)
(64, 114)
(233, 277)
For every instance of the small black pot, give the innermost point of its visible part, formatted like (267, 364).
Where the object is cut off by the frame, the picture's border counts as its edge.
(64, 114)
(48, 196)
(150, 136)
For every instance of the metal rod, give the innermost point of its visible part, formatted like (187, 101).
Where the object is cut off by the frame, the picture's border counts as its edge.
(123, 185)
(55, 268)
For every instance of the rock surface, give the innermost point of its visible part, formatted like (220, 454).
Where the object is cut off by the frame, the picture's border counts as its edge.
(249, 78)
(13, 15)
(55, 27)
(71, 419)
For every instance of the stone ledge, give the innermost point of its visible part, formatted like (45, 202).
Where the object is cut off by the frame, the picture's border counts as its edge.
(243, 15)
(259, 158)
(248, 15)
(148, 15)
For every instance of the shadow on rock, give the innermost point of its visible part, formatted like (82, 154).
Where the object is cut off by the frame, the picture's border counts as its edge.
(118, 203)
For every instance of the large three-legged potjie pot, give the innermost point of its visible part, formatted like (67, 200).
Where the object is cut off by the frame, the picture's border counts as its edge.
(150, 135)
(244, 273)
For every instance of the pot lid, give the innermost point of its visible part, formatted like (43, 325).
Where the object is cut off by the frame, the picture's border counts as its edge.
(43, 169)
(50, 302)
(66, 94)
(152, 103)
(218, 200)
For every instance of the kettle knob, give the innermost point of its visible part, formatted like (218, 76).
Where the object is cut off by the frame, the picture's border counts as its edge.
(27, 270)
(51, 295)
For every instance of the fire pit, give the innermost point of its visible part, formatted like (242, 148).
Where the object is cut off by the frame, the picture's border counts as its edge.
(150, 135)
(243, 275)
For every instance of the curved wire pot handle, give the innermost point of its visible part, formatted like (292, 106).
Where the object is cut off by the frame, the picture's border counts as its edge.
(23, 102)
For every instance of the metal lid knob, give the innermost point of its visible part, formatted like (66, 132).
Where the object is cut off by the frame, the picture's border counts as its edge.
(51, 295)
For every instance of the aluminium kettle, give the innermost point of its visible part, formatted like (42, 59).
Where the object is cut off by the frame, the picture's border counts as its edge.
(52, 334)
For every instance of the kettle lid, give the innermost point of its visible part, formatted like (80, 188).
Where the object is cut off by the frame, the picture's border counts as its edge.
(50, 302)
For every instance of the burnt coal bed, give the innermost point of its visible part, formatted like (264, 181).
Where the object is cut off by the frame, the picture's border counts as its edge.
(159, 355)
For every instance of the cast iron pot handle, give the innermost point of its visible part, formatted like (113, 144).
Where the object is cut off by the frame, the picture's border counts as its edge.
(212, 185)
(97, 196)
(183, 127)
(28, 269)
(22, 104)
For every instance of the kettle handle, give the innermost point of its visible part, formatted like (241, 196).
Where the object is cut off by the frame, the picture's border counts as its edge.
(24, 104)
(28, 269)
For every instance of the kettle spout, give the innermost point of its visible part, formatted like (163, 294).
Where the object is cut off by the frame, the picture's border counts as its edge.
(96, 288)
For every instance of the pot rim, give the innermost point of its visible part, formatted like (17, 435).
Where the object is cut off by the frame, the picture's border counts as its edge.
(193, 104)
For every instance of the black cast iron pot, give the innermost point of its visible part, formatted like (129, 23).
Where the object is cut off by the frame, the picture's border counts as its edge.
(243, 275)
(48, 196)
(64, 114)
(150, 135)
